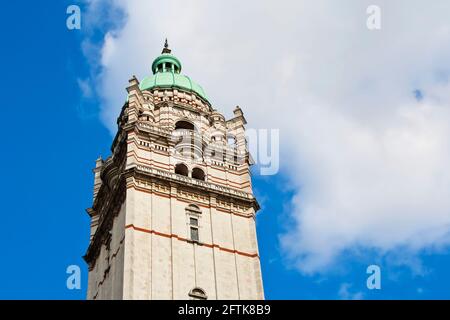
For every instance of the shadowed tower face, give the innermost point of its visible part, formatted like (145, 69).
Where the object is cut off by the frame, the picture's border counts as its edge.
(173, 215)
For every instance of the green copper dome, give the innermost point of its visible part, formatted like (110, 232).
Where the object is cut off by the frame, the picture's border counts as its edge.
(166, 74)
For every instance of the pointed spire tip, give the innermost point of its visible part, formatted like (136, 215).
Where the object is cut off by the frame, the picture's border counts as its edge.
(166, 47)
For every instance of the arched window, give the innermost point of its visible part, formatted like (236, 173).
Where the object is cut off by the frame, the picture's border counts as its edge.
(184, 125)
(187, 142)
(198, 294)
(181, 169)
(198, 174)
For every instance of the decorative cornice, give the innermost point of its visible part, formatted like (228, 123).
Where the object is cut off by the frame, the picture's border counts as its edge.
(173, 177)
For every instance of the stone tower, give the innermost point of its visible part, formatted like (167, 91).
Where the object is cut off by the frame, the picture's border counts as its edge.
(173, 214)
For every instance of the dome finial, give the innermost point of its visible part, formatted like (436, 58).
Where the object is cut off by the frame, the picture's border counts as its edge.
(166, 47)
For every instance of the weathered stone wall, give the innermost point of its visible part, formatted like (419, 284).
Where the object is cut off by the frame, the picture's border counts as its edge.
(106, 278)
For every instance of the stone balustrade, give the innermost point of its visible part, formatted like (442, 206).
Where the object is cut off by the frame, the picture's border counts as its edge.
(203, 184)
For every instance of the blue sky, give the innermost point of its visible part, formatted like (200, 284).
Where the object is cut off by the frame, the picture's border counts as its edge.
(52, 136)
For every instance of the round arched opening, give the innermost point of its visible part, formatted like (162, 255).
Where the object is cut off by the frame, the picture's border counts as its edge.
(184, 125)
(198, 174)
(181, 169)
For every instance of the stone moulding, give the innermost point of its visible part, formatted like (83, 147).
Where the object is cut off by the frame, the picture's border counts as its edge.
(199, 183)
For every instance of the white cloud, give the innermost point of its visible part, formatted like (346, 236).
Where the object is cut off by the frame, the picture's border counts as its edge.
(371, 161)
(345, 293)
(85, 87)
